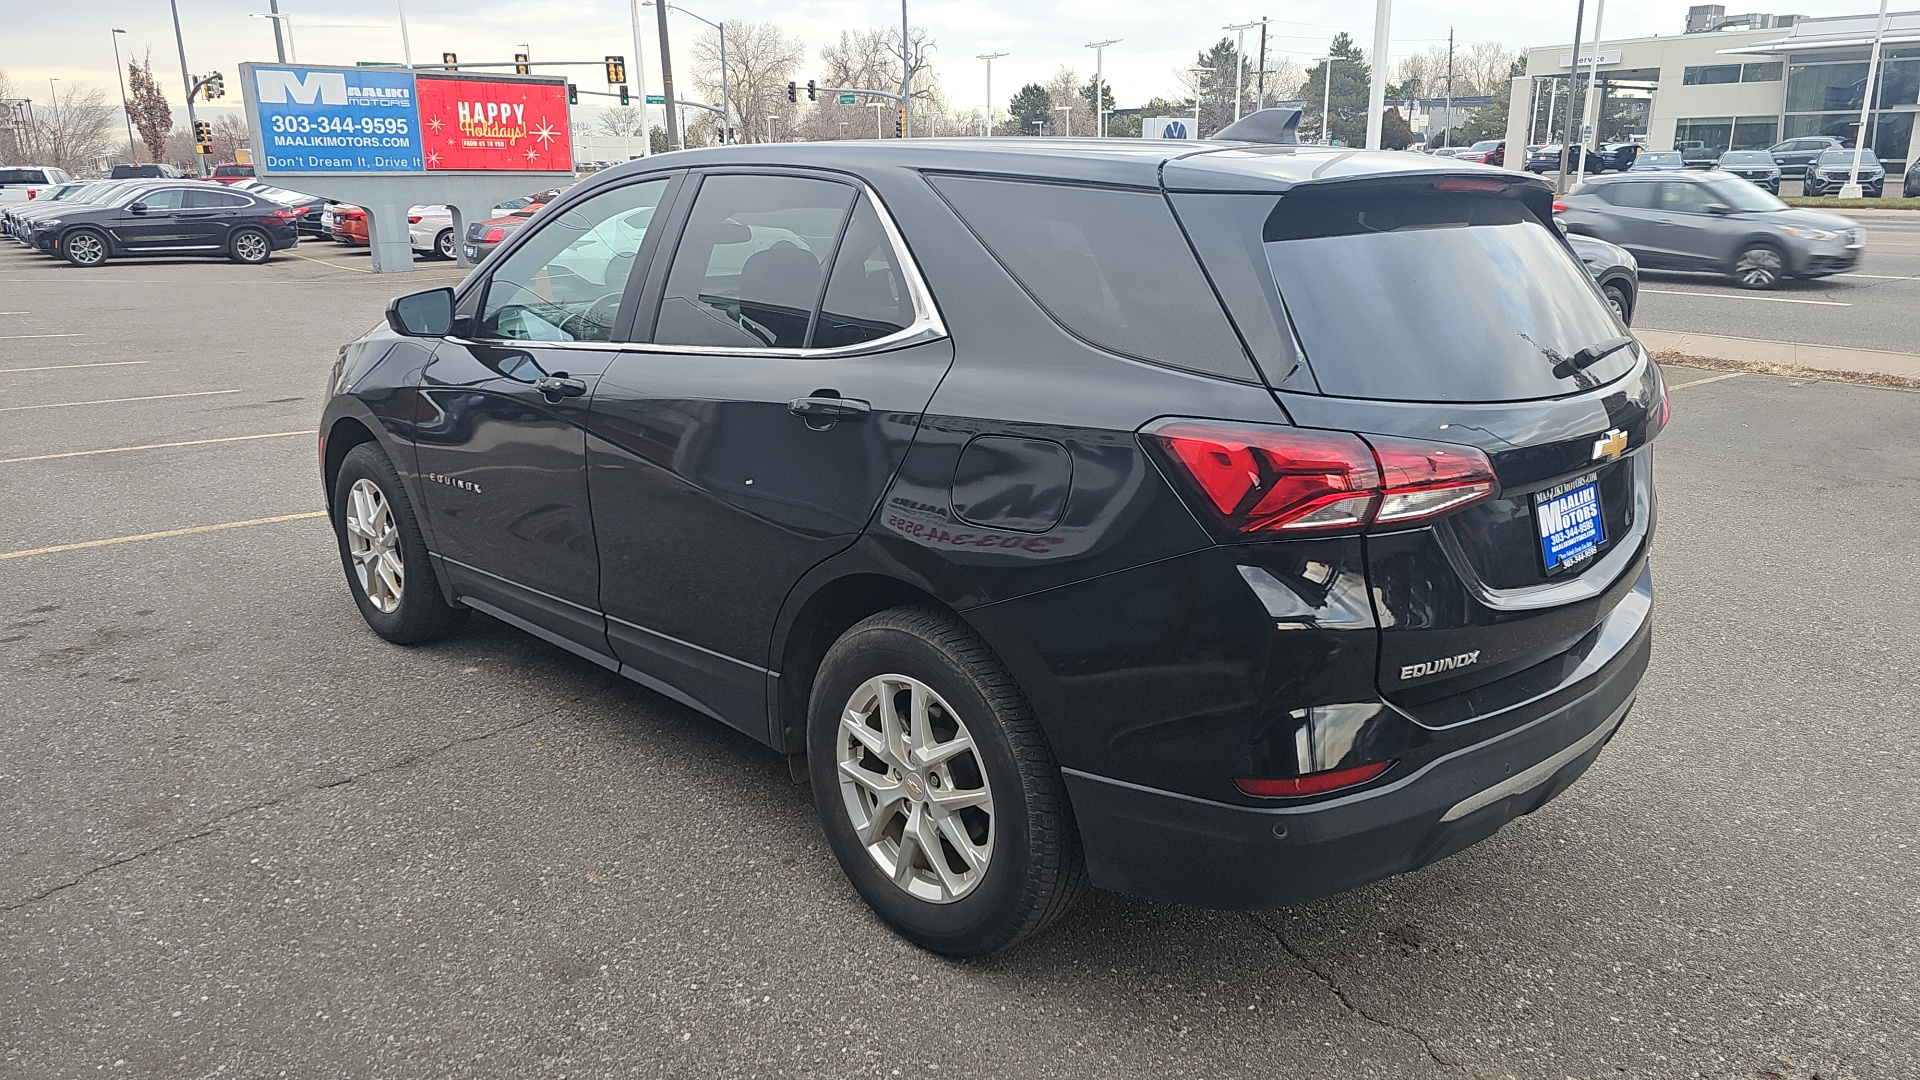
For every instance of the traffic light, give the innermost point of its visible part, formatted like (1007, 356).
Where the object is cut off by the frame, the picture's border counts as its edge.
(812, 95)
(215, 86)
(616, 70)
(520, 66)
(624, 100)
(900, 124)
(793, 91)
(573, 94)
(203, 136)
(452, 61)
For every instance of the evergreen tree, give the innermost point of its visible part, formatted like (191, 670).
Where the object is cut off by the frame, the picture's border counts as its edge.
(1030, 104)
(1349, 97)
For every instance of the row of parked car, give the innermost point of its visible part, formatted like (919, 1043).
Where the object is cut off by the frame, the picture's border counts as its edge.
(430, 229)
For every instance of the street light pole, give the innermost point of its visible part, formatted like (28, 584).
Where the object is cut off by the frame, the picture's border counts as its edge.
(876, 106)
(186, 80)
(279, 49)
(288, 52)
(1587, 111)
(1326, 101)
(675, 140)
(133, 154)
(906, 76)
(990, 58)
(406, 43)
(1851, 189)
(1199, 74)
(1099, 85)
(1573, 83)
(53, 95)
(640, 73)
(1240, 59)
(1377, 86)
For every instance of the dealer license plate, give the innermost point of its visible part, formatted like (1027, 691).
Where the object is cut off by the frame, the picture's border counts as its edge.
(1571, 527)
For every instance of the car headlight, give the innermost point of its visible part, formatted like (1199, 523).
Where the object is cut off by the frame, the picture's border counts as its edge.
(1809, 234)
(46, 224)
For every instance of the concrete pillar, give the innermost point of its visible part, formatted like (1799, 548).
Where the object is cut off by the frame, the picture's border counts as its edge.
(387, 235)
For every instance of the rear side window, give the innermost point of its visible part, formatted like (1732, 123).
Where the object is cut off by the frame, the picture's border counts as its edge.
(223, 200)
(1407, 293)
(866, 296)
(1637, 195)
(22, 176)
(1109, 265)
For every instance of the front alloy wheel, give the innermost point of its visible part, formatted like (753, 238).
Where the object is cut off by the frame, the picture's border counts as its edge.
(1758, 267)
(373, 543)
(86, 248)
(914, 788)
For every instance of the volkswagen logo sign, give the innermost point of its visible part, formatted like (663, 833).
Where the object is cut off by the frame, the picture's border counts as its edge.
(1175, 130)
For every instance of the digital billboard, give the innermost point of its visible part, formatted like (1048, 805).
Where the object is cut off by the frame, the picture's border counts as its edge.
(494, 125)
(330, 120)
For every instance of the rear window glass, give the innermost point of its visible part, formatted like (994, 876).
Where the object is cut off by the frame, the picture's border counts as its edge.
(1109, 265)
(1436, 296)
(22, 176)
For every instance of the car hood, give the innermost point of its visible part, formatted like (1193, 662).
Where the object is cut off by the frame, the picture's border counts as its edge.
(1812, 219)
(1597, 252)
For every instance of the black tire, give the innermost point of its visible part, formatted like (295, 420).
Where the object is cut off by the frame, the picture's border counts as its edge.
(86, 247)
(422, 613)
(1759, 266)
(1035, 872)
(443, 244)
(250, 247)
(1619, 301)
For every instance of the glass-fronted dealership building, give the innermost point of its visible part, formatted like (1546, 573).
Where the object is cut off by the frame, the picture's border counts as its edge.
(1712, 90)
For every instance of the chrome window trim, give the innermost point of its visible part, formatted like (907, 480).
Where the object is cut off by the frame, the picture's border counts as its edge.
(927, 325)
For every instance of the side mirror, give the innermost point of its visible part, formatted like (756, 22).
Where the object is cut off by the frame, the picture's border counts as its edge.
(1561, 225)
(137, 208)
(422, 314)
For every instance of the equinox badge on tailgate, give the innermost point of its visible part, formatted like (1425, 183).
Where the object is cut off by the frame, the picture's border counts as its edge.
(1434, 667)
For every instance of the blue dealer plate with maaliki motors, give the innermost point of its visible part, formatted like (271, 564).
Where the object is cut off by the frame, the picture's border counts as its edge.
(1569, 521)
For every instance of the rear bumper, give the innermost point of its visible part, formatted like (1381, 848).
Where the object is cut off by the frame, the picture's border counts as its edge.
(1181, 849)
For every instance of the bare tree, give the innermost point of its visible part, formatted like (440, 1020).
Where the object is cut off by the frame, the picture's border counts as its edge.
(75, 132)
(761, 60)
(1479, 69)
(147, 105)
(1063, 90)
(628, 123)
(230, 136)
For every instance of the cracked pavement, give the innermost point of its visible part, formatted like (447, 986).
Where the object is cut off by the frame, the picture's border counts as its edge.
(240, 835)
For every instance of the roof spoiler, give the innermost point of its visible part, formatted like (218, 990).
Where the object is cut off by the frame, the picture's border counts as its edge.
(1266, 126)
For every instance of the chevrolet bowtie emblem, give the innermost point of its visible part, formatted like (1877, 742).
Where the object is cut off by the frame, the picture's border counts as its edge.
(1610, 446)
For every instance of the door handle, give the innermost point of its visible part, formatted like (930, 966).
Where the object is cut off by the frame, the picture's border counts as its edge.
(556, 387)
(825, 407)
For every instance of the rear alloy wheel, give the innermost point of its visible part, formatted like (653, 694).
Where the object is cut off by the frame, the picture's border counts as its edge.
(1617, 300)
(250, 246)
(1759, 267)
(384, 554)
(936, 788)
(443, 244)
(84, 247)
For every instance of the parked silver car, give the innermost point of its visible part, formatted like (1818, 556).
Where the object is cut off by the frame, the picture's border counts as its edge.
(1714, 222)
(1754, 166)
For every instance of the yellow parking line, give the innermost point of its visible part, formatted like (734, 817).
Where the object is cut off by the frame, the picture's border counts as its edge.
(63, 367)
(152, 446)
(325, 262)
(117, 400)
(109, 542)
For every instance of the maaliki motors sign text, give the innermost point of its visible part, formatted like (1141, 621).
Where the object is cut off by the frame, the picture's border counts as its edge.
(372, 120)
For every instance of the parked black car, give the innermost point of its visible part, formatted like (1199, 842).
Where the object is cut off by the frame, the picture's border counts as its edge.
(1229, 522)
(1619, 156)
(1713, 222)
(484, 236)
(148, 171)
(1910, 188)
(1613, 269)
(1829, 173)
(171, 218)
(311, 207)
(1546, 159)
(1797, 154)
(18, 219)
(1754, 166)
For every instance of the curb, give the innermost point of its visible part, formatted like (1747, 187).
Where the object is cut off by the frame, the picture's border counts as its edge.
(1827, 359)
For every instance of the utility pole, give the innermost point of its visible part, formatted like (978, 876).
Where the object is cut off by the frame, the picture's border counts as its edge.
(132, 153)
(1377, 88)
(1573, 79)
(1587, 114)
(1851, 189)
(406, 43)
(1260, 77)
(989, 58)
(1240, 58)
(186, 80)
(1448, 141)
(1099, 85)
(674, 140)
(640, 74)
(279, 46)
(906, 76)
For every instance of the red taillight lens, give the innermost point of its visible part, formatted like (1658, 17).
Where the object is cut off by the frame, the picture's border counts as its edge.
(1261, 480)
(413, 219)
(1313, 783)
(1425, 479)
(495, 235)
(1558, 206)
(1275, 480)
(32, 194)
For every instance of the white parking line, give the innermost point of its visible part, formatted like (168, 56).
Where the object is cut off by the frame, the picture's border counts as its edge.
(1876, 277)
(152, 446)
(116, 401)
(1736, 296)
(63, 367)
(1708, 379)
(23, 337)
(167, 535)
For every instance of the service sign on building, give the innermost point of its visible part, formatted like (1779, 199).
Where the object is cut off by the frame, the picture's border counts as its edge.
(384, 121)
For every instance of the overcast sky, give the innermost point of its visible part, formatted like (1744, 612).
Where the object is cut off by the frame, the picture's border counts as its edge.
(72, 41)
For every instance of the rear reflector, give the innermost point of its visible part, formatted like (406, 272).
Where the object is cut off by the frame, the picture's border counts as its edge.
(1257, 480)
(1311, 784)
(1470, 183)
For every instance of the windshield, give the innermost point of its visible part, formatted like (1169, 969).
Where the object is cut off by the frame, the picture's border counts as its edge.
(1482, 147)
(1436, 296)
(1660, 157)
(1746, 157)
(1845, 157)
(1741, 195)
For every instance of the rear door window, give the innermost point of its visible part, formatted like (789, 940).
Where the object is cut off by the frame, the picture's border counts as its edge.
(1409, 293)
(1635, 195)
(1108, 264)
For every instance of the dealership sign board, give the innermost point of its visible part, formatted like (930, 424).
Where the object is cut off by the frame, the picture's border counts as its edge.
(384, 121)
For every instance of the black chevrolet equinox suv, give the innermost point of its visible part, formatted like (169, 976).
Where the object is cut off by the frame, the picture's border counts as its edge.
(1228, 522)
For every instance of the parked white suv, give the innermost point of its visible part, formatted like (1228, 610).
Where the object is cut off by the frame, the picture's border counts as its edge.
(19, 183)
(431, 227)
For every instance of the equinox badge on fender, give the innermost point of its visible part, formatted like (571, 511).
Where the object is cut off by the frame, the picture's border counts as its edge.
(1434, 667)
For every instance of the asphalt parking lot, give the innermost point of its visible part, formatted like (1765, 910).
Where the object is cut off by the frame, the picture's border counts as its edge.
(242, 836)
(1871, 307)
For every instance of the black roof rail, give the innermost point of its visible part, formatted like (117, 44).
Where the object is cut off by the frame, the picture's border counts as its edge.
(1266, 126)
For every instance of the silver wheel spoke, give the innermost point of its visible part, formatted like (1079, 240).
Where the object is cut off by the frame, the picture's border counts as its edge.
(909, 844)
(946, 802)
(976, 859)
(935, 753)
(928, 836)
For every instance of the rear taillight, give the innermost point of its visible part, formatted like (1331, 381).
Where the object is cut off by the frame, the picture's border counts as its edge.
(1311, 784)
(413, 219)
(32, 194)
(1254, 480)
(289, 213)
(494, 236)
(1558, 206)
